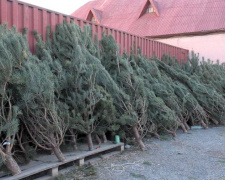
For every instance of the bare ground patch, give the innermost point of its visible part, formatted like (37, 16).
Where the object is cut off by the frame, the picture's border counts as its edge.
(197, 155)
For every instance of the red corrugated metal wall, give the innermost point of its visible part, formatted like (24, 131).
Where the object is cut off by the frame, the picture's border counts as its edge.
(32, 17)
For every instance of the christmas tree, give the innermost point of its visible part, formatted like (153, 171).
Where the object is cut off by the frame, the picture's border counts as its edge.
(82, 89)
(13, 48)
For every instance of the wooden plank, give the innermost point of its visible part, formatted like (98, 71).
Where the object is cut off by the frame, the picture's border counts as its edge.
(81, 162)
(50, 162)
(47, 177)
(54, 172)
(122, 148)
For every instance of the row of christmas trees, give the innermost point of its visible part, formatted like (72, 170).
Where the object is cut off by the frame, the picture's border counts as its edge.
(74, 85)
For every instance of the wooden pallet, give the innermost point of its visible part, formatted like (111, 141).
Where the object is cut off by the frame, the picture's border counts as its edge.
(51, 164)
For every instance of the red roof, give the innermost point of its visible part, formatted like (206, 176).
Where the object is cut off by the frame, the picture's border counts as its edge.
(171, 17)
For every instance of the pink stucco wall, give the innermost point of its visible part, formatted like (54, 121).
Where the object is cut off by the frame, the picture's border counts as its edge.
(210, 46)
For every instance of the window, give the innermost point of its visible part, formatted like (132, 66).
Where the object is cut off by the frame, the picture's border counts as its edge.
(94, 20)
(149, 9)
(91, 17)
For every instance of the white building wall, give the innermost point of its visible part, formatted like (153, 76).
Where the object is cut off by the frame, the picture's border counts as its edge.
(210, 46)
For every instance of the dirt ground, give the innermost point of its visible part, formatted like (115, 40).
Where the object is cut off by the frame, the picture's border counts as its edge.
(196, 155)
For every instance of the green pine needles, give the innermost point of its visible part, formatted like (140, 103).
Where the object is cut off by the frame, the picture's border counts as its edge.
(76, 88)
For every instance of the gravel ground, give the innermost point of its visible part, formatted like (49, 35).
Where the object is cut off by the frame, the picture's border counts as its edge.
(196, 155)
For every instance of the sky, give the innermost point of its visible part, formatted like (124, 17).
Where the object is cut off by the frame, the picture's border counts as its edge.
(62, 6)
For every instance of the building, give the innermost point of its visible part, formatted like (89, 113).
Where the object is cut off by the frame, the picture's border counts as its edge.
(197, 25)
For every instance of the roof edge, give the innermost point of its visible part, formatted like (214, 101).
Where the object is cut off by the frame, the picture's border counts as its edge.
(187, 34)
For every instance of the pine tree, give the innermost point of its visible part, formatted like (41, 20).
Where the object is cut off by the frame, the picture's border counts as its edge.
(35, 87)
(77, 86)
(209, 73)
(84, 103)
(187, 108)
(206, 96)
(161, 116)
(164, 87)
(41, 111)
(83, 91)
(133, 110)
(12, 56)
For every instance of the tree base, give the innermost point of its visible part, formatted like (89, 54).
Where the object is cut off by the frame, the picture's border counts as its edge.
(12, 165)
(58, 154)
(138, 138)
(90, 143)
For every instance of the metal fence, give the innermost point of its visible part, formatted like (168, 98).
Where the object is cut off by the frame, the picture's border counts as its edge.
(24, 15)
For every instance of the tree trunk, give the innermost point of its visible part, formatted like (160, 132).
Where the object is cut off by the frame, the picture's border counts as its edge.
(138, 138)
(174, 134)
(12, 165)
(215, 121)
(204, 125)
(58, 153)
(183, 128)
(156, 135)
(104, 138)
(98, 139)
(90, 143)
(22, 142)
(187, 127)
(56, 150)
(74, 140)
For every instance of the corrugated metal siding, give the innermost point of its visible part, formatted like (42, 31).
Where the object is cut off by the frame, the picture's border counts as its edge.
(24, 15)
